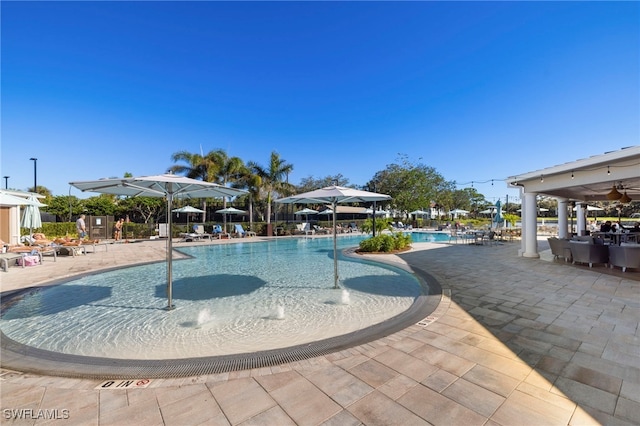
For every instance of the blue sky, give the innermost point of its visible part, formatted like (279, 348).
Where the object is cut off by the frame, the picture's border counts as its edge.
(477, 90)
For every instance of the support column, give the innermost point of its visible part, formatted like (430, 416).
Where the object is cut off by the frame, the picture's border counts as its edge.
(563, 222)
(581, 219)
(530, 225)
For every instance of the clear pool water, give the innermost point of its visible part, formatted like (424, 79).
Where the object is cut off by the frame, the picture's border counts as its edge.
(233, 298)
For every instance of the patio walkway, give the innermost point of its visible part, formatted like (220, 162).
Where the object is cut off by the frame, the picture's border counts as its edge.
(513, 341)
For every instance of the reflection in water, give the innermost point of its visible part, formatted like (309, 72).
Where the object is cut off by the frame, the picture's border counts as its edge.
(230, 299)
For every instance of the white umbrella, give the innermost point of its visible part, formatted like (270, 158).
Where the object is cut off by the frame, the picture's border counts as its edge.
(456, 212)
(590, 209)
(326, 212)
(540, 209)
(229, 211)
(31, 216)
(378, 212)
(306, 212)
(7, 199)
(187, 210)
(334, 195)
(167, 185)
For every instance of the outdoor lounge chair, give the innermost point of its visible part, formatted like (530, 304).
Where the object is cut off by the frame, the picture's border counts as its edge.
(199, 231)
(7, 259)
(306, 229)
(219, 233)
(320, 230)
(241, 232)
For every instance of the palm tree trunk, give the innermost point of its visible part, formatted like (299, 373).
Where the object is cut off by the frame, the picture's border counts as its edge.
(204, 207)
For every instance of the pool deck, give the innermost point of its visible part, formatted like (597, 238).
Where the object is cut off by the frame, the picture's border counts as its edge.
(514, 341)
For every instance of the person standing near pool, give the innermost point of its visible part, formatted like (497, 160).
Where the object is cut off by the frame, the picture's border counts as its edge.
(117, 229)
(81, 227)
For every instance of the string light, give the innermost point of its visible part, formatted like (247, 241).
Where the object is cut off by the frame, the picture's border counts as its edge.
(541, 178)
(572, 174)
(608, 171)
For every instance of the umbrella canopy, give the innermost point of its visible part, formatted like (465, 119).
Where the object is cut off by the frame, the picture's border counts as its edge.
(334, 195)
(187, 209)
(31, 216)
(167, 185)
(490, 210)
(306, 212)
(378, 212)
(11, 200)
(590, 209)
(229, 211)
(456, 212)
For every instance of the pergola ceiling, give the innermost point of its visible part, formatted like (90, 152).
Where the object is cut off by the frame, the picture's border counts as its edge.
(590, 179)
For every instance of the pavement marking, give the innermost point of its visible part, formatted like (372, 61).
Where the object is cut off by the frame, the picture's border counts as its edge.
(124, 384)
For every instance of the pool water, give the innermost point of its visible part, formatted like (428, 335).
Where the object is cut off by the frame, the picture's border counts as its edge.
(232, 298)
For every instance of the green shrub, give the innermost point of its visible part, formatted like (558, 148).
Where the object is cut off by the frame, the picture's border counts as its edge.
(385, 243)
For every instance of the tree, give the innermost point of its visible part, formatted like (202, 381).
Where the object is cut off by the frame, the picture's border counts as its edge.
(147, 208)
(100, 205)
(63, 206)
(273, 179)
(310, 183)
(41, 190)
(196, 167)
(230, 170)
(252, 182)
(411, 186)
(203, 167)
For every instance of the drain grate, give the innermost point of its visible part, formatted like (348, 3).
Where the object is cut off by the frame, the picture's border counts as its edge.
(19, 357)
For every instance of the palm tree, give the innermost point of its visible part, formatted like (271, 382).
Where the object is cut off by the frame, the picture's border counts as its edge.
(252, 182)
(229, 171)
(273, 179)
(197, 166)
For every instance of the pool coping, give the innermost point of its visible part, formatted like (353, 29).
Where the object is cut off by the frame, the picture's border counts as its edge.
(27, 359)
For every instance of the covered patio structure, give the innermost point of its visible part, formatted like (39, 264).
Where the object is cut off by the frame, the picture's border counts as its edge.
(597, 178)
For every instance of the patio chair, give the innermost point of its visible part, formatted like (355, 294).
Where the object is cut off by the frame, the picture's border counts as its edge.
(490, 238)
(454, 236)
(560, 248)
(625, 256)
(586, 252)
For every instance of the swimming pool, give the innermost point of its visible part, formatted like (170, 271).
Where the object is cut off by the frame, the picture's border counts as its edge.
(230, 299)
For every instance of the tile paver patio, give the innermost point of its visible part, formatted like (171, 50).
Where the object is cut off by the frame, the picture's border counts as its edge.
(520, 341)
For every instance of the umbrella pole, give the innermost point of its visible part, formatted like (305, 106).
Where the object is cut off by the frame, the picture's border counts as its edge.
(170, 305)
(335, 249)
